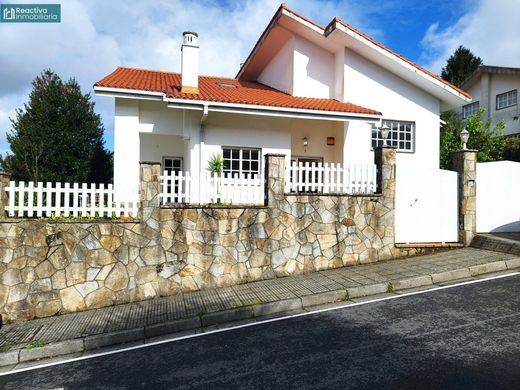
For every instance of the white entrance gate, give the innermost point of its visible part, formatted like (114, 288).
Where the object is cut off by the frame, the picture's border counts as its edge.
(426, 206)
(498, 197)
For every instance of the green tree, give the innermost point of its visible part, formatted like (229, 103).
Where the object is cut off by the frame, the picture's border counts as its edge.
(488, 141)
(460, 65)
(57, 136)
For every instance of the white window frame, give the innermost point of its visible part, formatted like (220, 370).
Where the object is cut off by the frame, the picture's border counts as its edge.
(240, 160)
(510, 99)
(396, 129)
(171, 158)
(470, 109)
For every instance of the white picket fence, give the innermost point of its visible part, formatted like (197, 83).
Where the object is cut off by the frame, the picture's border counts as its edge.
(69, 199)
(207, 188)
(331, 178)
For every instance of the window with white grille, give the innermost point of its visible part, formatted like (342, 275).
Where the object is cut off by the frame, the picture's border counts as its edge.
(470, 109)
(243, 161)
(401, 135)
(507, 99)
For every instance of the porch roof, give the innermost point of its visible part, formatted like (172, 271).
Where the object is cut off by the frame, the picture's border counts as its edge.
(222, 90)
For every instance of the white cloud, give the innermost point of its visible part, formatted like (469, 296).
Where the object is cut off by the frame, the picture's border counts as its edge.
(490, 30)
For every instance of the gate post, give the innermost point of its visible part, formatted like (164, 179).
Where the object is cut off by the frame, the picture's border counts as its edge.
(4, 198)
(150, 188)
(465, 163)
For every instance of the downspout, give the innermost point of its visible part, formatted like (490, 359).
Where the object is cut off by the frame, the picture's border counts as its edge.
(202, 133)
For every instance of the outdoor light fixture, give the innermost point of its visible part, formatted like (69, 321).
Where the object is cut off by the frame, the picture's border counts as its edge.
(305, 142)
(464, 136)
(385, 130)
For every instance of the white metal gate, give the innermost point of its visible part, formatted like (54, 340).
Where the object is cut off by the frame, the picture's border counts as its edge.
(426, 206)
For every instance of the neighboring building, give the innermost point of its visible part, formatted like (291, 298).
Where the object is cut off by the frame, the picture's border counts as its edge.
(495, 88)
(310, 92)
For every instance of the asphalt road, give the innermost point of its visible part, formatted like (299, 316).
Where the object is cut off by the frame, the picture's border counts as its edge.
(462, 337)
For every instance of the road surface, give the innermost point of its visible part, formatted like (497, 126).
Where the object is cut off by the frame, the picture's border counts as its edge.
(466, 336)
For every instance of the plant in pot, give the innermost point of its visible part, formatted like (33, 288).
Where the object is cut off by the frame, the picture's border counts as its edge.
(216, 167)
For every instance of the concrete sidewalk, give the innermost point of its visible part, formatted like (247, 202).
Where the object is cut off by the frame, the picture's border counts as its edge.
(88, 330)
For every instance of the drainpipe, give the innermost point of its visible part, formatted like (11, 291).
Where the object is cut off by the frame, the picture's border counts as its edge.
(202, 133)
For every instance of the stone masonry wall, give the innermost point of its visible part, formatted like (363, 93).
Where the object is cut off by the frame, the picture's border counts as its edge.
(49, 268)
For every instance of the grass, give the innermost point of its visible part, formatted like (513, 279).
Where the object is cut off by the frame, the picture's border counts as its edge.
(35, 344)
(390, 288)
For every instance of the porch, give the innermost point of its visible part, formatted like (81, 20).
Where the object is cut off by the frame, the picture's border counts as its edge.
(321, 155)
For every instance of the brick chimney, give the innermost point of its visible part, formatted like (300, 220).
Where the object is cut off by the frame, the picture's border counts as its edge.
(190, 62)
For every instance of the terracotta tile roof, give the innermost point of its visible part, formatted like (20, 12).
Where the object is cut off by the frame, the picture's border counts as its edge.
(212, 90)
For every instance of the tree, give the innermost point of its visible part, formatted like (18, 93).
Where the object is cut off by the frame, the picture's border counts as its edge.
(460, 65)
(57, 136)
(489, 142)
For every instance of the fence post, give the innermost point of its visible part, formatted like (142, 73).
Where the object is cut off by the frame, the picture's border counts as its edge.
(274, 178)
(465, 163)
(4, 198)
(150, 188)
(384, 158)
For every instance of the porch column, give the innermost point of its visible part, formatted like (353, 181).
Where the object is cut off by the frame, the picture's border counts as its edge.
(150, 188)
(465, 163)
(274, 178)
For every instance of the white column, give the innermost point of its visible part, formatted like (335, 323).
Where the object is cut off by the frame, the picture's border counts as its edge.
(357, 143)
(126, 146)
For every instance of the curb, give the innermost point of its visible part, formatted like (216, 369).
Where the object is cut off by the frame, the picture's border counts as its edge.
(142, 334)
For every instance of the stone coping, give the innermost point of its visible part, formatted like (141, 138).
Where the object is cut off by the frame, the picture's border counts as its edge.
(337, 194)
(90, 221)
(211, 206)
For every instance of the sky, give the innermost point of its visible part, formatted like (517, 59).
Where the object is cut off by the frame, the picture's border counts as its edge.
(96, 36)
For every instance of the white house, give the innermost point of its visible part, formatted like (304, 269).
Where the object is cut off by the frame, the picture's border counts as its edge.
(312, 93)
(495, 88)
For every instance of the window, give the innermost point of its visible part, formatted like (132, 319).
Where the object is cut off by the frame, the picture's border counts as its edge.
(242, 161)
(401, 135)
(507, 99)
(470, 109)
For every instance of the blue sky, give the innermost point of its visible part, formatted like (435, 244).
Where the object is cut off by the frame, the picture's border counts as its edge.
(95, 36)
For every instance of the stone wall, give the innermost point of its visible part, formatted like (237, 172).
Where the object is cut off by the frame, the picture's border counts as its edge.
(51, 268)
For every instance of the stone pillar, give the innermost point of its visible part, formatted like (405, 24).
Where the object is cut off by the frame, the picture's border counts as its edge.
(274, 178)
(5, 178)
(384, 158)
(150, 188)
(465, 163)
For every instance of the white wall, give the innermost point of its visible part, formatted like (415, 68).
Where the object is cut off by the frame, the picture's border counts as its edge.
(498, 195)
(486, 90)
(272, 135)
(126, 144)
(317, 132)
(313, 70)
(278, 74)
(156, 146)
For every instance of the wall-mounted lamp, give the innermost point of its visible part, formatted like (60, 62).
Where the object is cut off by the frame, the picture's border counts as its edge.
(331, 141)
(305, 142)
(464, 136)
(385, 131)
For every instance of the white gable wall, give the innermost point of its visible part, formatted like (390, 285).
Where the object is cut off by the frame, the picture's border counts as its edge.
(278, 74)
(313, 70)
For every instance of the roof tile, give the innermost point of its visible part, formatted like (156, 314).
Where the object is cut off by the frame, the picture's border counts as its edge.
(210, 89)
